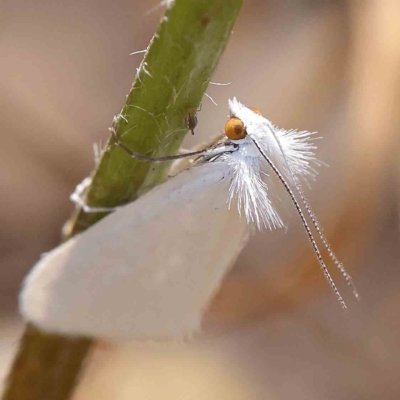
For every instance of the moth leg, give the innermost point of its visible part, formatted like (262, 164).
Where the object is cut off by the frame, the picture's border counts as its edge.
(142, 157)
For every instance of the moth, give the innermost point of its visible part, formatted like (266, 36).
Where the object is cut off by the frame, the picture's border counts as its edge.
(150, 269)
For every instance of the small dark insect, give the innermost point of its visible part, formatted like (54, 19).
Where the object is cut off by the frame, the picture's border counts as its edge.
(191, 120)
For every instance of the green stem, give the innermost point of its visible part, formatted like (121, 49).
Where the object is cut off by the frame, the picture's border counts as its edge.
(169, 85)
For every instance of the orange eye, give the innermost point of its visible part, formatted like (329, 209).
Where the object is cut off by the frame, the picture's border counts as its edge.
(255, 110)
(234, 129)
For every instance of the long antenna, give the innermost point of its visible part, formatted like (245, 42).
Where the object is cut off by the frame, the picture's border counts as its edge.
(339, 265)
(325, 242)
(305, 225)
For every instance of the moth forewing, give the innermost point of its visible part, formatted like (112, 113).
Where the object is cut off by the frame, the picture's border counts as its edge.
(147, 271)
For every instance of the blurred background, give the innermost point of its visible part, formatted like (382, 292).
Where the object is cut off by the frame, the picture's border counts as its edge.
(275, 330)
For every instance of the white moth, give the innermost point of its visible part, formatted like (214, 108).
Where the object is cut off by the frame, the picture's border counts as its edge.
(150, 269)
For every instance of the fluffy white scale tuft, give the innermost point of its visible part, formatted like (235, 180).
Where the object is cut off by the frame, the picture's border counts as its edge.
(248, 187)
(291, 151)
(299, 151)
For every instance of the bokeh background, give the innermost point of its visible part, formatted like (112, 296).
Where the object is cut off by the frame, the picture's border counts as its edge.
(275, 331)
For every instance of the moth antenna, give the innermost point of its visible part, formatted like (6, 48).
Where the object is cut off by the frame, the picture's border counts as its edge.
(305, 225)
(339, 265)
(325, 242)
(152, 159)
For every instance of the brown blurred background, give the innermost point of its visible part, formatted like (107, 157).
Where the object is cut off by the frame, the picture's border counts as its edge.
(331, 66)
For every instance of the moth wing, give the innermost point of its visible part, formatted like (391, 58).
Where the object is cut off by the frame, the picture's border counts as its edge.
(147, 271)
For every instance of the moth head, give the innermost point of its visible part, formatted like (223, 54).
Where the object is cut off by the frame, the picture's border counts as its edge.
(234, 127)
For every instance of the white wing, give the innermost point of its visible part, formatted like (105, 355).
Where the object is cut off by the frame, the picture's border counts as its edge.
(147, 271)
